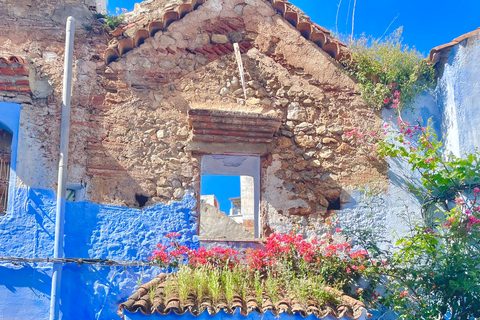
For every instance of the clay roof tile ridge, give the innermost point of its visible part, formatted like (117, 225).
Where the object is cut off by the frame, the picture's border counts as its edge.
(349, 307)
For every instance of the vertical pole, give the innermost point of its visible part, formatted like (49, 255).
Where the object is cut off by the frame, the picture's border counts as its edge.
(238, 56)
(62, 171)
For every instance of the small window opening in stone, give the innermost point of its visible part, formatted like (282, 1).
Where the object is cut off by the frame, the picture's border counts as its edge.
(76, 191)
(5, 159)
(227, 207)
(141, 199)
(334, 204)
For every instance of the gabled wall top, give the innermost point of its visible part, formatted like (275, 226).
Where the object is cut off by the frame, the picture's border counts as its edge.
(152, 16)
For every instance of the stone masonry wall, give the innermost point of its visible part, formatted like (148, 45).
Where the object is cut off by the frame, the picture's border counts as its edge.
(35, 32)
(311, 159)
(129, 118)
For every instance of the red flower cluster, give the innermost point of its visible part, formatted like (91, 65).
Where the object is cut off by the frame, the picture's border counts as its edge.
(215, 257)
(286, 252)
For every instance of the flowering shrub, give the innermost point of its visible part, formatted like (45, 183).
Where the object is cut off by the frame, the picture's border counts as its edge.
(289, 267)
(388, 72)
(435, 270)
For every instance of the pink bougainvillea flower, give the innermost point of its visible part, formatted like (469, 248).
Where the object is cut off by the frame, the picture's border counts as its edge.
(173, 235)
(459, 201)
(428, 160)
(386, 100)
(338, 230)
(476, 190)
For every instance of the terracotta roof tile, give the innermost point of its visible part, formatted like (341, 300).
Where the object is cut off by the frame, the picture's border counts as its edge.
(296, 17)
(12, 60)
(150, 298)
(437, 52)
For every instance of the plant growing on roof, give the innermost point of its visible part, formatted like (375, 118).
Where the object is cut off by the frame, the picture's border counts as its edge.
(111, 21)
(222, 274)
(388, 72)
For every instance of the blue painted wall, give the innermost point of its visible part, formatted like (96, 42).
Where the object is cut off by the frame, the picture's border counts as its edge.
(458, 96)
(91, 231)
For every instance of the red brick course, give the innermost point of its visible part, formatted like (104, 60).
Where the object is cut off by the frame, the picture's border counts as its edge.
(7, 71)
(21, 71)
(22, 83)
(24, 89)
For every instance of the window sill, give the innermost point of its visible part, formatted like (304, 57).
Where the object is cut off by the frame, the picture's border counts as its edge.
(238, 243)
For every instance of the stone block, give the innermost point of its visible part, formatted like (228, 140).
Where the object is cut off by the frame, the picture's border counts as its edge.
(296, 112)
(187, 64)
(329, 140)
(305, 141)
(166, 41)
(284, 142)
(327, 154)
(219, 39)
(253, 101)
(166, 64)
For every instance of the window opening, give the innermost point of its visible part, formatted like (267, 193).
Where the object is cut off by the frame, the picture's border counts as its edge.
(5, 161)
(221, 208)
(229, 197)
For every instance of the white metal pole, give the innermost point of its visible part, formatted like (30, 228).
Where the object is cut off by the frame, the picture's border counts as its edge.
(62, 171)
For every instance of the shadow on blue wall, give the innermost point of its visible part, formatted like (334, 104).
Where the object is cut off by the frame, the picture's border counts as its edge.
(26, 276)
(91, 231)
(24, 291)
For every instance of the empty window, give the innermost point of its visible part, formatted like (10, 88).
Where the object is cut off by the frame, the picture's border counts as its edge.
(229, 200)
(227, 206)
(5, 160)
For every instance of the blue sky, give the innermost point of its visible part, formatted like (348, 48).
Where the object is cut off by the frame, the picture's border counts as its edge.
(426, 23)
(223, 187)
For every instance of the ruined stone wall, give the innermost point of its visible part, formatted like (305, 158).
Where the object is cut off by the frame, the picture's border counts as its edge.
(310, 161)
(34, 32)
(130, 129)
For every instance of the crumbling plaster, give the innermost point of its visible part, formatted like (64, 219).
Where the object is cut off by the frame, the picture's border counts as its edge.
(458, 94)
(129, 132)
(317, 101)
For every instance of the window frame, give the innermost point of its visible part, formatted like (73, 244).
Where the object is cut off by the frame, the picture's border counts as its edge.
(10, 120)
(237, 165)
